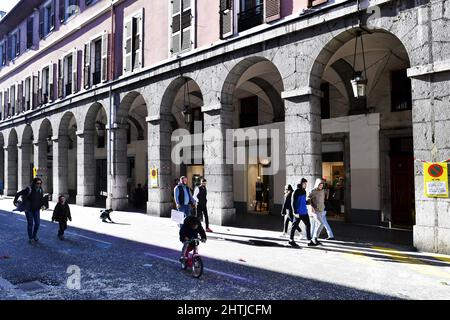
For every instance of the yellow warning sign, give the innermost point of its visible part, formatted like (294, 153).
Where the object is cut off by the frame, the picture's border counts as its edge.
(154, 177)
(34, 172)
(435, 179)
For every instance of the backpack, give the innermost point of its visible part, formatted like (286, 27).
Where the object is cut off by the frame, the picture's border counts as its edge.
(22, 204)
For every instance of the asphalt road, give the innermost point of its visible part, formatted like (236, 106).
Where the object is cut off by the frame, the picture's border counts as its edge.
(113, 267)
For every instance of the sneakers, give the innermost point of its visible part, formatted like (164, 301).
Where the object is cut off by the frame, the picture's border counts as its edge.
(208, 230)
(293, 244)
(312, 244)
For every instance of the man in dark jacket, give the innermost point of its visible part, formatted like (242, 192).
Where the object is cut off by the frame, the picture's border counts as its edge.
(33, 198)
(200, 195)
(300, 211)
(61, 214)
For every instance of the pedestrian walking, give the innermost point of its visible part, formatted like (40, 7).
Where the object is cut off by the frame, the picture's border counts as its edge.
(61, 214)
(200, 196)
(33, 202)
(286, 210)
(300, 211)
(183, 197)
(318, 199)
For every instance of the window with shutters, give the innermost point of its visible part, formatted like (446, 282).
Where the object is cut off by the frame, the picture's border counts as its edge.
(47, 18)
(226, 18)
(67, 72)
(14, 45)
(133, 51)
(251, 14)
(30, 32)
(182, 27)
(67, 9)
(97, 59)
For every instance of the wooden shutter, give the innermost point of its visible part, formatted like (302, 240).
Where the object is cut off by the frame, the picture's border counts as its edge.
(75, 71)
(61, 78)
(27, 94)
(105, 55)
(128, 46)
(52, 15)
(13, 98)
(139, 41)
(20, 98)
(50, 83)
(7, 102)
(186, 25)
(226, 18)
(176, 26)
(18, 42)
(35, 91)
(87, 65)
(272, 10)
(41, 22)
(62, 10)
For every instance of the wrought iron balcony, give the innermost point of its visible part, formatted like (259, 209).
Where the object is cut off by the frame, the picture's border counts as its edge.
(250, 18)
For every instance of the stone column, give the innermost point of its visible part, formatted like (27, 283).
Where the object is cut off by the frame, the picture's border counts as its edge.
(2, 170)
(11, 170)
(159, 156)
(24, 161)
(218, 172)
(303, 132)
(117, 169)
(41, 162)
(431, 125)
(86, 168)
(60, 165)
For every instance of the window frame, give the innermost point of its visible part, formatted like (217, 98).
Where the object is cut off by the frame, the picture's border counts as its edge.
(192, 27)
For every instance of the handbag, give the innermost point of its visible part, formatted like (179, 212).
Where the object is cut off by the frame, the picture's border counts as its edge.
(177, 216)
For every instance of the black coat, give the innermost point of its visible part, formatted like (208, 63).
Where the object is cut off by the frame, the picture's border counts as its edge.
(187, 231)
(61, 213)
(287, 205)
(33, 198)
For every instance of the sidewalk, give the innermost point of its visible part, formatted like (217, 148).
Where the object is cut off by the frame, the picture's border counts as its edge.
(342, 230)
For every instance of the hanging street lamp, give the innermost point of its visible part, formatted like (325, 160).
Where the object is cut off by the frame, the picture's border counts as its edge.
(359, 79)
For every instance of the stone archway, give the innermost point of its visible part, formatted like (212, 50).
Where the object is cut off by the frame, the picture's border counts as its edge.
(11, 165)
(43, 155)
(26, 158)
(92, 157)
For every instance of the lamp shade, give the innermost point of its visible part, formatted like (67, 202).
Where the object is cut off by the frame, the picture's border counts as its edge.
(359, 85)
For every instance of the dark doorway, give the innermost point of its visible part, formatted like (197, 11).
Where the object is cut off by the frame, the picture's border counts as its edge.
(402, 182)
(101, 179)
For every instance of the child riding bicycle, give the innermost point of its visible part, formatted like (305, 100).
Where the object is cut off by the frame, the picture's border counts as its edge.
(190, 230)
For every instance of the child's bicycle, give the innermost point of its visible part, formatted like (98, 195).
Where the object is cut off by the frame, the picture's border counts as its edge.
(193, 259)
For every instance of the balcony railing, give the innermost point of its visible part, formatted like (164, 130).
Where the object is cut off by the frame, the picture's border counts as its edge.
(250, 18)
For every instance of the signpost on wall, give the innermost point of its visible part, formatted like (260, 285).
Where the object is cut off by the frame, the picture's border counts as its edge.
(436, 179)
(154, 177)
(34, 172)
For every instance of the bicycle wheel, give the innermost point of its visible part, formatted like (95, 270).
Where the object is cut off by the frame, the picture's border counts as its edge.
(197, 267)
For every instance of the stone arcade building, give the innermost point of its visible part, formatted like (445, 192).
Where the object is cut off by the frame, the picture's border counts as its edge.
(91, 93)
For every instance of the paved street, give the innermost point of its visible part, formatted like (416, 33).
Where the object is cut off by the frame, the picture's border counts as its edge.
(136, 258)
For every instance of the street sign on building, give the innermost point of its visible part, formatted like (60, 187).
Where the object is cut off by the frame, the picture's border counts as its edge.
(436, 179)
(154, 177)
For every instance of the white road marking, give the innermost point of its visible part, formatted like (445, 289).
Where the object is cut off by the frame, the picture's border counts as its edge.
(207, 269)
(93, 239)
(18, 293)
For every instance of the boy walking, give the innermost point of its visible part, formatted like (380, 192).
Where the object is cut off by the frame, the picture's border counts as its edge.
(61, 214)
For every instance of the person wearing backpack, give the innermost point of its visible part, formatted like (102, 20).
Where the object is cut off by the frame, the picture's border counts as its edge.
(33, 202)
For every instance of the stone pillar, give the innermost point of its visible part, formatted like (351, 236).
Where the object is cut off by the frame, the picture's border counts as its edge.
(11, 170)
(218, 172)
(117, 169)
(160, 199)
(303, 130)
(2, 170)
(431, 125)
(24, 161)
(86, 168)
(60, 165)
(41, 163)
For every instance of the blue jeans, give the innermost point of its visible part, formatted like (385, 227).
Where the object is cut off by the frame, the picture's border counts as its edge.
(186, 209)
(33, 216)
